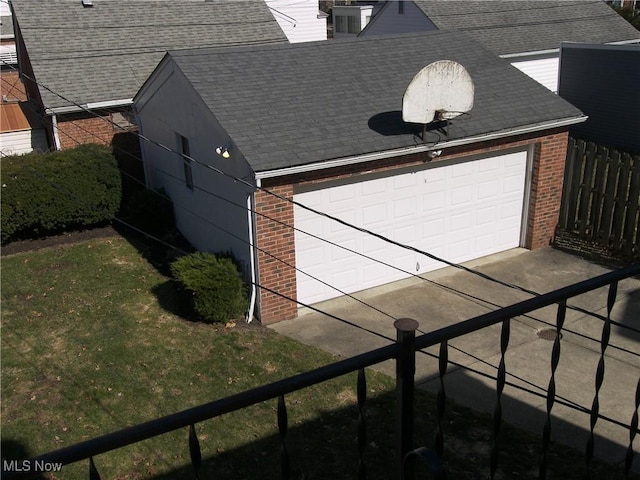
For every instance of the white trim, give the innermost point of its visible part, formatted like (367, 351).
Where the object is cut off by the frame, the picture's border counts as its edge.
(56, 135)
(557, 50)
(339, 162)
(125, 102)
(531, 151)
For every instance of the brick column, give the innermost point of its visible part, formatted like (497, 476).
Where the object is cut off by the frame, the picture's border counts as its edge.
(278, 240)
(546, 189)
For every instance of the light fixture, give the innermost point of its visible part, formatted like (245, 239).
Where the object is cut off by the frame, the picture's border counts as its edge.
(223, 151)
(433, 154)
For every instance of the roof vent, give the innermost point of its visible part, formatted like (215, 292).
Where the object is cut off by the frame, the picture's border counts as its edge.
(87, 3)
(439, 92)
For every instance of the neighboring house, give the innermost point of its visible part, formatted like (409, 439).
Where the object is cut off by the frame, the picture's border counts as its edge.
(300, 20)
(603, 82)
(89, 61)
(265, 117)
(20, 127)
(527, 33)
(349, 20)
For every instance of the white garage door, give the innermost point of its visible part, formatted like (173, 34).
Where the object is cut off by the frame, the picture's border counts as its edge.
(458, 212)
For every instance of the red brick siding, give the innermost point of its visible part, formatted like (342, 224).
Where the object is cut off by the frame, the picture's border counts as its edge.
(77, 129)
(546, 190)
(12, 86)
(277, 239)
(543, 209)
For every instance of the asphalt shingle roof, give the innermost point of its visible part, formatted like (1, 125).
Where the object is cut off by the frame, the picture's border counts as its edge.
(516, 26)
(289, 105)
(107, 51)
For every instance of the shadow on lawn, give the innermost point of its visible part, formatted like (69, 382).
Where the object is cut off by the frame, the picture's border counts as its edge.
(327, 446)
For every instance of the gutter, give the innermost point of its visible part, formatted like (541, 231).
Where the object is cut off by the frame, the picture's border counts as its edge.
(125, 102)
(339, 162)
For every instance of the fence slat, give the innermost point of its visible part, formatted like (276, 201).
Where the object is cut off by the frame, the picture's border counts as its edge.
(586, 190)
(613, 167)
(571, 165)
(621, 202)
(580, 146)
(598, 191)
(630, 233)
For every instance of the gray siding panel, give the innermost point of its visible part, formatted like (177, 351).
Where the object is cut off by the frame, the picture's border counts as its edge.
(390, 22)
(603, 82)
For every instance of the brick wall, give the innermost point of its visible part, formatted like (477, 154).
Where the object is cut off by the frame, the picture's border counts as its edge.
(278, 239)
(12, 86)
(543, 209)
(79, 128)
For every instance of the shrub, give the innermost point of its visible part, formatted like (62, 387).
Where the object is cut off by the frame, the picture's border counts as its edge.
(48, 193)
(214, 285)
(151, 211)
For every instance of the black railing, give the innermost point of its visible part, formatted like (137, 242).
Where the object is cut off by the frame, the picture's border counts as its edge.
(403, 351)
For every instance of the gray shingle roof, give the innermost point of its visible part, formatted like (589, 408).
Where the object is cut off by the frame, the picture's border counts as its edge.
(289, 105)
(515, 26)
(107, 51)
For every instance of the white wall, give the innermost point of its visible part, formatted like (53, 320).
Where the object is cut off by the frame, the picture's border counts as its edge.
(169, 106)
(542, 70)
(23, 141)
(299, 19)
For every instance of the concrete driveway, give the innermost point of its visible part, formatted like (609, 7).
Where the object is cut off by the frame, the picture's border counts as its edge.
(449, 296)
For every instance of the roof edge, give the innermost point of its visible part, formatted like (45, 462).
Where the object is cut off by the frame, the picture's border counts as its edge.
(124, 102)
(557, 50)
(339, 162)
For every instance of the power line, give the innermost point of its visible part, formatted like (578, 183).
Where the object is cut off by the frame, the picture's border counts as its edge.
(324, 214)
(560, 398)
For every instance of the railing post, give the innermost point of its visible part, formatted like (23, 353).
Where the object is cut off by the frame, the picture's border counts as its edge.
(405, 372)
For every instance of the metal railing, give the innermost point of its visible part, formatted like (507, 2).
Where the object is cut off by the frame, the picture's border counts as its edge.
(403, 351)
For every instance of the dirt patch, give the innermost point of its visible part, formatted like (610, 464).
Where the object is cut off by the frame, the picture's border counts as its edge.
(69, 238)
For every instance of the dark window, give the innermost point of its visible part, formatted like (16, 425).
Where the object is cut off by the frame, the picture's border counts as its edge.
(401, 7)
(183, 145)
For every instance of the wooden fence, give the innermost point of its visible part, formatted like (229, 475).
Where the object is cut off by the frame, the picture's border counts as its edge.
(601, 197)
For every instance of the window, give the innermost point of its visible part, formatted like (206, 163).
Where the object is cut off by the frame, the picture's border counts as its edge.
(352, 24)
(183, 148)
(340, 24)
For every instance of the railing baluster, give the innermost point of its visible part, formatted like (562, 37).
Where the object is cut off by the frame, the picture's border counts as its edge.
(633, 429)
(595, 407)
(443, 361)
(497, 413)
(551, 390)
(362, 423)
(282, 429)
(93, 471)
(194, 451)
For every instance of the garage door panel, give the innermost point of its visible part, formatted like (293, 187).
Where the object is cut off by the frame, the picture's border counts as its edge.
(457, 211)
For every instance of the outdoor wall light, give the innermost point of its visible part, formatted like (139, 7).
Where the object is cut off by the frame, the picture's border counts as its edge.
(223, 152)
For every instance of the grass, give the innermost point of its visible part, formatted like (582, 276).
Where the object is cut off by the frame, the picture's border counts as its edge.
(94, 340)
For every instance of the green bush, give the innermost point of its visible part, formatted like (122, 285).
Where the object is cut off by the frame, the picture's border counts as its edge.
(48, 193)
(214, 285)
(151, 211)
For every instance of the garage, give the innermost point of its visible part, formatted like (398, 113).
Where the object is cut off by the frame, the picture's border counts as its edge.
(457, 210)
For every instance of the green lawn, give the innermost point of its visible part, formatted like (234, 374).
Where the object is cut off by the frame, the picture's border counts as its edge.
(91, 343)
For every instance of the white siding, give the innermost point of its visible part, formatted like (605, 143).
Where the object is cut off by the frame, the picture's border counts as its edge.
(352, 18)
(299, 20)
(23, 141)
(168, 106)
(543, 71)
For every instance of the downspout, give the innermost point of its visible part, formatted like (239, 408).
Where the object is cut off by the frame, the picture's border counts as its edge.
(56, 136)
(252, 300)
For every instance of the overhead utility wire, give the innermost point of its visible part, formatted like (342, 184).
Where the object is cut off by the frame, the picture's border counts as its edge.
(331, 217)
(339, 319)
(360, 327)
